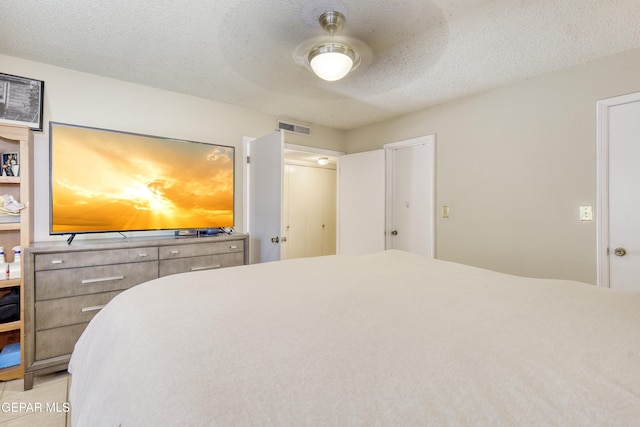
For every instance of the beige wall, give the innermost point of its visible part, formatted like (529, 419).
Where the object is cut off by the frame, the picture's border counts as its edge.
(514, 165)
(90, 100)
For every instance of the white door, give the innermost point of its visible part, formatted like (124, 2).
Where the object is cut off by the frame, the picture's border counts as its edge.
(623, 194)
(310, 211)
(328, 193)
(265, 197)
(410, 200)
(361, 203)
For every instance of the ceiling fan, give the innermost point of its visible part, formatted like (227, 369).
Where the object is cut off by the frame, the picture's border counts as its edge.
(334, 56)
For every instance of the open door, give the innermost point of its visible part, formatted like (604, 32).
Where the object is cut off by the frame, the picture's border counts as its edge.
(411, 195)
(361, 203)
(265, 197)
(619, 199)
(371, 219)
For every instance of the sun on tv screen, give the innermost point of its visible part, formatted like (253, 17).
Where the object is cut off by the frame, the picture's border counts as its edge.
(105, 181)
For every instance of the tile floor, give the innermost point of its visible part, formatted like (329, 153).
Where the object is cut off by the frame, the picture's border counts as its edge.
(42, 406)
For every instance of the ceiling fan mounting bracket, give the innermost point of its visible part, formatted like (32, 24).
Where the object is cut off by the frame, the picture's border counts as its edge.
(332, 22)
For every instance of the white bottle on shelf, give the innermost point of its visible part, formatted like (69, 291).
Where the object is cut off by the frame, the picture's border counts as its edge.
(3, 265)
(14, 267)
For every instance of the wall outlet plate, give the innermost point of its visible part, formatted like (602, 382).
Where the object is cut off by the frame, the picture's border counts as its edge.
(586, 213)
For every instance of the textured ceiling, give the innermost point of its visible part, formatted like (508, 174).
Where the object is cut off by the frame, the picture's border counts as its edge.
(417, 53)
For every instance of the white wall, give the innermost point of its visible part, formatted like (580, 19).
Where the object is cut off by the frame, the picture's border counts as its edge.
(514, 165)
(90, 100)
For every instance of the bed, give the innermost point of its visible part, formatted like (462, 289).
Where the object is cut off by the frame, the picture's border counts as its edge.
(387, 339)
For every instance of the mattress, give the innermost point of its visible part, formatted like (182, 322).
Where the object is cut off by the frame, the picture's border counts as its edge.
(384, 339)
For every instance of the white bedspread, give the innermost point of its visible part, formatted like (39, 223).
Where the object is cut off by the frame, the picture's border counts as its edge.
(390, 339)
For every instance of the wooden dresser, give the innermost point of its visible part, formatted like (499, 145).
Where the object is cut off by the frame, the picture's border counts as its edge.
(66, 285)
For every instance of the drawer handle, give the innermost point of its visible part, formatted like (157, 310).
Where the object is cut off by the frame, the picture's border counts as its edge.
(206, 267)
(57, 261)
(233, 247)
(143, 255)
(101, 279)
(174, 252)
(93, 308)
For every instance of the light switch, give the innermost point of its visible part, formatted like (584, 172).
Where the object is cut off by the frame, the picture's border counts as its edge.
(586, 213)
(445, 211)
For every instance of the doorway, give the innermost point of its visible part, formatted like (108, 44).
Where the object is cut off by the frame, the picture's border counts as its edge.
(618, 199)
(309, 204)
(387, 199)
(410, 195)
(264, 197)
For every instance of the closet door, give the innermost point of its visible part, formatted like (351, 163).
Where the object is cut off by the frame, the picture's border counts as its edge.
(295, 221)
(320, 204)
(328, 193)
(314, 202)
(310, 211)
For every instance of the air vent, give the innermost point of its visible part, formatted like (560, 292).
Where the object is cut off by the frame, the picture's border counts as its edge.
(293, 128)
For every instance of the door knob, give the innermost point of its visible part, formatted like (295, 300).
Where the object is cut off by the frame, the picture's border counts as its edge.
(275, 239)
(394, 233)
(620, 251)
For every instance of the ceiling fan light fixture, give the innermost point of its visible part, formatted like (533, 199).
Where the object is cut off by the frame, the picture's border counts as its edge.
(332, 61)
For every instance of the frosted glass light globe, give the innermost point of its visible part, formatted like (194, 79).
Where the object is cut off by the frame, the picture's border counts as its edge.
(331, 61)
(331, 66)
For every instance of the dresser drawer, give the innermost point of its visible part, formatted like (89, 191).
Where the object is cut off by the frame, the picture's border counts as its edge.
(180, 251)
(57, 342)
(87, 280)
(60, 260)
(183, 265)
(69, 311)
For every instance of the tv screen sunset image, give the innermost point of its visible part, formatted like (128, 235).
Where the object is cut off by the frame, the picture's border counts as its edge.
(113, 181)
